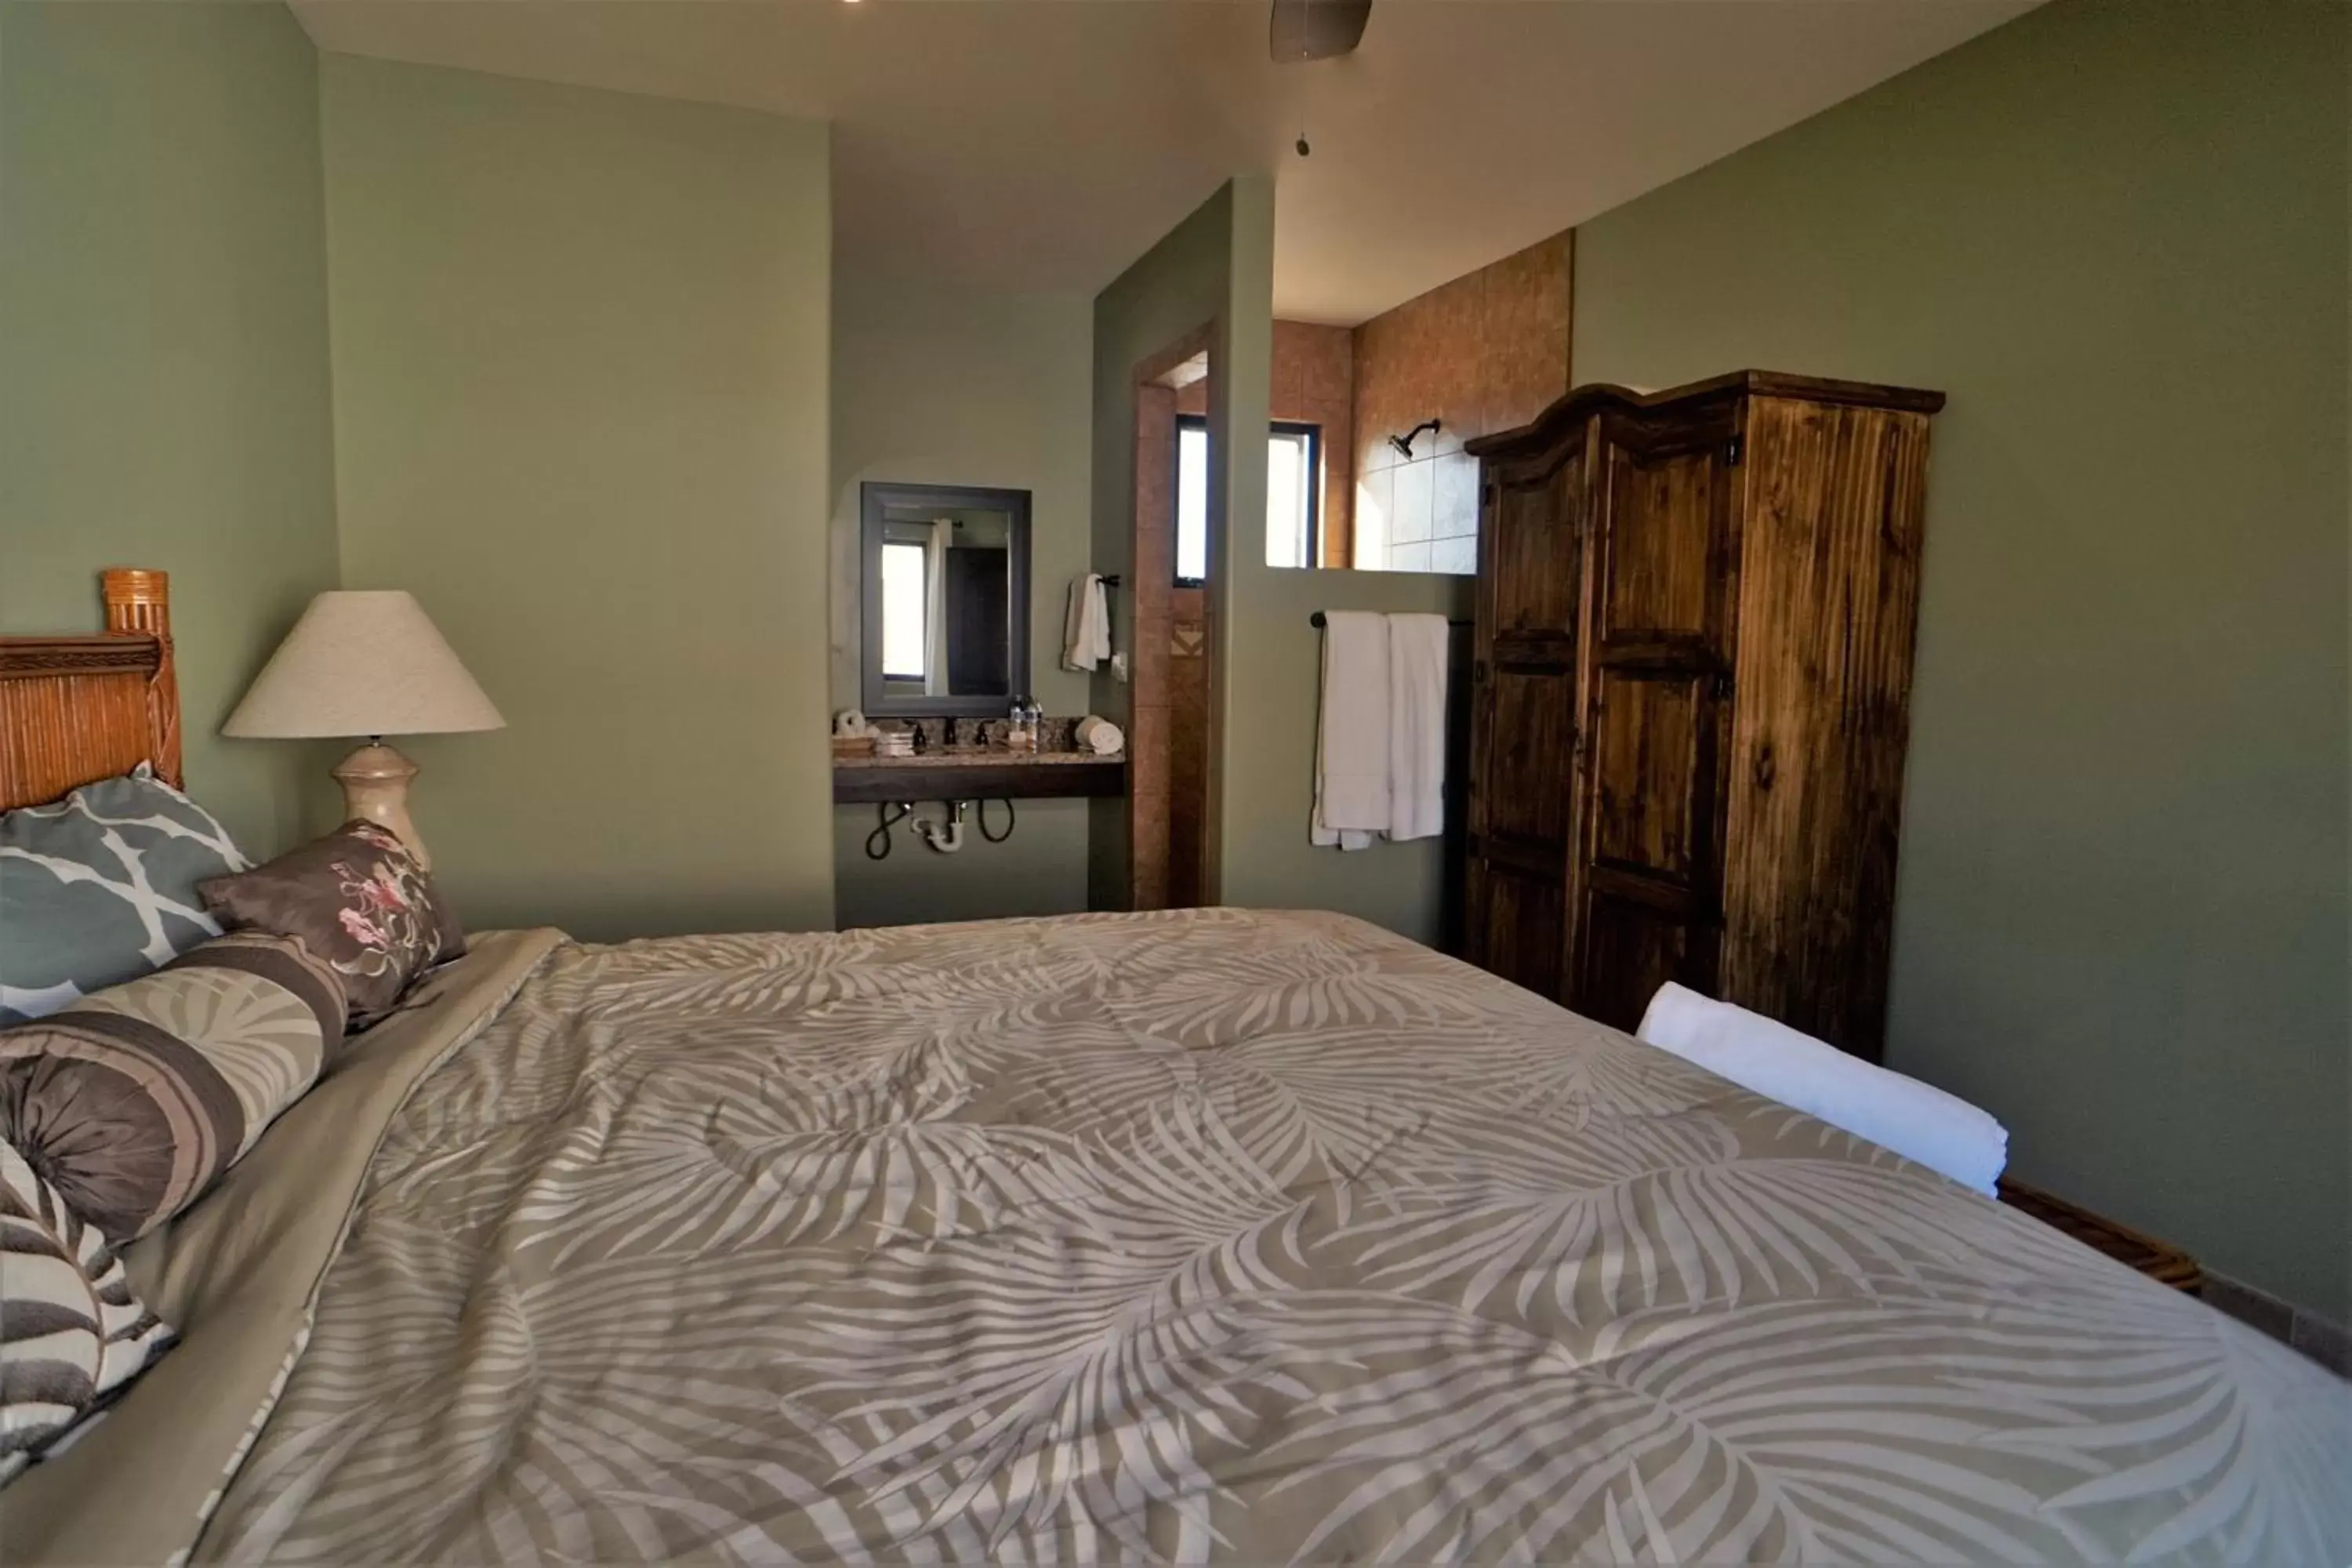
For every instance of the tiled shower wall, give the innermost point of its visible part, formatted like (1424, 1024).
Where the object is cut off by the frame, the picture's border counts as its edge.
(1314, 382)
(1484, 352)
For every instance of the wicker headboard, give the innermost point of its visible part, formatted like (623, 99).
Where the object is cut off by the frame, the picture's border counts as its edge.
(77, 709)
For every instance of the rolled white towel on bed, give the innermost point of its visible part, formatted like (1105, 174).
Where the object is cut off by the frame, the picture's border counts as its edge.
(1917, 1121)
(1099, 735)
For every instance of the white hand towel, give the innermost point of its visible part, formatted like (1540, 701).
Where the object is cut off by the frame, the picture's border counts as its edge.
(1099, 735)
(1917, 1121)
(1085, 627)
(1351, 741)
(1416, 726)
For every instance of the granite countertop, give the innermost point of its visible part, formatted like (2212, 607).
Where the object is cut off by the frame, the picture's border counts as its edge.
(977, 757)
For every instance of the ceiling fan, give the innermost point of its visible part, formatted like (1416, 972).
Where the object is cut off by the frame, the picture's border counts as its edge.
(1315, 30)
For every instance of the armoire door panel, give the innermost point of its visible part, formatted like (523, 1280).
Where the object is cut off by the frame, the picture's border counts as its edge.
(1629, 948)
(1522, 714)
(1648, 755)
(1532, 723)
(1664, 534)
(1519, 925)
(1661, 542)
(1536, 523)
(1649, 868)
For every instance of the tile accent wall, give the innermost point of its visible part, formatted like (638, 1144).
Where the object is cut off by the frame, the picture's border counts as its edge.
(1486, 351)
(1152, 583)
(1314, 382)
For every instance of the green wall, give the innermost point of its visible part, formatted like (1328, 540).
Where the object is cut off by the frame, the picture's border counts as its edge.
(1184, 282)
(163, 363)
(2114, 231)
(1271, 658)
(1217, 266)
(936, 385)
(580, 392)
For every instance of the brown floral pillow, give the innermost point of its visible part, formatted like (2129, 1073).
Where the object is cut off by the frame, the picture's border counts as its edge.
(358, 899)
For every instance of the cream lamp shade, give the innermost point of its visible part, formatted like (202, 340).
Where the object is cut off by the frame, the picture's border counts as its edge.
(365, 664)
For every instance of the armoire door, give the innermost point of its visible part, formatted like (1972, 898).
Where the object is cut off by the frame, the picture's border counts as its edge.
(1663, 563)
(1523, 714)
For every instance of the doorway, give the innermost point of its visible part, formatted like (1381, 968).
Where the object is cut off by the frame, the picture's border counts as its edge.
(1179, 522)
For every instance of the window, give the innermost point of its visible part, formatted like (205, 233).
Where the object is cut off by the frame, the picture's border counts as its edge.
(902, 612)
(1191, 501)
(1293, 473)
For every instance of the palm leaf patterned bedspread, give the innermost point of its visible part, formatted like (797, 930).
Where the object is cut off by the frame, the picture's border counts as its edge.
(1213, 1234)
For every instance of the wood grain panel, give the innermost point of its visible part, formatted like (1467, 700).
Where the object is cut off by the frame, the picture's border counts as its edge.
(1516, 925)
(64, 732)
(1646, 765)
(1532, 723)
(1663, 553)
(138, 603)
(1532, 537)
(1725, 577)
(1523, 686)
(1630, 947)
(78, 709)
(1828, 601)
(1662, 566)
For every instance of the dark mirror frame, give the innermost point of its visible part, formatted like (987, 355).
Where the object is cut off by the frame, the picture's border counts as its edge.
(874, 500)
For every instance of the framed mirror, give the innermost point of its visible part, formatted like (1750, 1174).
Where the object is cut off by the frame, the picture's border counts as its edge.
(946, 598)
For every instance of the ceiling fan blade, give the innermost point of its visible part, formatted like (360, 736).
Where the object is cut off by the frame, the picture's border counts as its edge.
(1315, 30)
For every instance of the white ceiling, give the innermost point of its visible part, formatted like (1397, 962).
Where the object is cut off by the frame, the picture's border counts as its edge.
(1047, 144)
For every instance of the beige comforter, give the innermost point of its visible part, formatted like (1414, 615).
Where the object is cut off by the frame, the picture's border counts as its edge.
(1210, 1235)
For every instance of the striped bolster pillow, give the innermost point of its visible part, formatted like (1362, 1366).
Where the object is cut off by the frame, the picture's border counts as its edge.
(132, 1100)
(71, 1331)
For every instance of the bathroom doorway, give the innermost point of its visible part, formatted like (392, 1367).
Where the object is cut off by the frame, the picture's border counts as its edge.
(1179, 551)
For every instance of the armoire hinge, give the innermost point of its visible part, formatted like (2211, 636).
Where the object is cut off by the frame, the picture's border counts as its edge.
(1733, 450)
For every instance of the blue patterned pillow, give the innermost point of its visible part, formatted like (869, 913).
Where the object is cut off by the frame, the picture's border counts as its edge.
(100, 887)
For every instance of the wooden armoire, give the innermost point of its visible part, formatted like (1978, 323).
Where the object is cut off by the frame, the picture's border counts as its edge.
(1695, 617)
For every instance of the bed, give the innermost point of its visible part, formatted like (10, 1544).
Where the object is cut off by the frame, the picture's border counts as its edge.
(1203, 1233)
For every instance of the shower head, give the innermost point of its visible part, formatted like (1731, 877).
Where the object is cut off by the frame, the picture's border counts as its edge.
(1403, 443)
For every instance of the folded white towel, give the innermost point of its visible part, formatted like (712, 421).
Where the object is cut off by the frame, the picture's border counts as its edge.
(1099, 735)
(1351, 742)
(1917, 1121)
(1085, 627)
(1416, 726)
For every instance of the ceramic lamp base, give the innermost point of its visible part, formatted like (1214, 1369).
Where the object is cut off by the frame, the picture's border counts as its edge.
(375, 786)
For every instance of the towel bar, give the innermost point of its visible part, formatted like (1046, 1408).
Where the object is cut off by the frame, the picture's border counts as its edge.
(1318, 623)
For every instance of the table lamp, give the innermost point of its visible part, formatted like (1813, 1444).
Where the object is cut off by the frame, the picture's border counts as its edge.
(365, 664)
